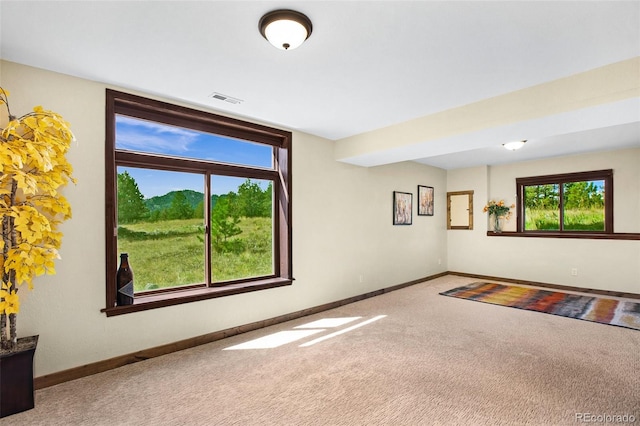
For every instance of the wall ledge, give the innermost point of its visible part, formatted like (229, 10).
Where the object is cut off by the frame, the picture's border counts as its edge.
(577, 235)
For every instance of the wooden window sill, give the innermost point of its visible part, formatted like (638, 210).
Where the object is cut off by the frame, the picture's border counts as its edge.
(578, 235)
(178, 297)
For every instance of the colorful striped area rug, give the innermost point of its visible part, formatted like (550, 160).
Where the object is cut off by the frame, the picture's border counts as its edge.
(596, 309)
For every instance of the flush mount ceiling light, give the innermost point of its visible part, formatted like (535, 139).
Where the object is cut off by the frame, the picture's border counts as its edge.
(512, 146)
(285, 29)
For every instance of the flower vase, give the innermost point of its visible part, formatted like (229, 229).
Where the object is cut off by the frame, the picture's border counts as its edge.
(497, 223)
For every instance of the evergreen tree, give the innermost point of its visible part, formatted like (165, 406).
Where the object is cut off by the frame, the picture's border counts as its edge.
(233, 206)
(250, 199)
(582, 195)
(158, 215)
(267, 201)
(198, 211)
(180, 207)
(224, 225)
(131, 207)
(542, 196)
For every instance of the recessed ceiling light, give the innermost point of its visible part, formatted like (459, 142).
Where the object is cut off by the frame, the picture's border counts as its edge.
(512, 146)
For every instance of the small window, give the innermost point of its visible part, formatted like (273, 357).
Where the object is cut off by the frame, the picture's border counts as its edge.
(567, 203)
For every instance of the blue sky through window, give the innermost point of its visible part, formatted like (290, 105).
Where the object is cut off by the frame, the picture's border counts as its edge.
(133, 134)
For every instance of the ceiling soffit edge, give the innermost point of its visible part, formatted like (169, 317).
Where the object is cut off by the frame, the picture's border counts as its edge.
(600, 86)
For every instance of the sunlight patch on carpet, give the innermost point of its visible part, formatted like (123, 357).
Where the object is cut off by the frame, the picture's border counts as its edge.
(328, 322)
(274, 340)
(346, 330)
(302, 331)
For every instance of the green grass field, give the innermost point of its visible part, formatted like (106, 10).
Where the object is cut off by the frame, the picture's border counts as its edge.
(574, 220)
(171, 253)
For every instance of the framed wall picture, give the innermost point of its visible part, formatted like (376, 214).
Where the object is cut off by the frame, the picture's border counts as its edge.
(425, 200)
(402, 208)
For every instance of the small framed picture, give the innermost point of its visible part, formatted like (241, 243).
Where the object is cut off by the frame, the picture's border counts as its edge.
(402, 208)
(425, 200)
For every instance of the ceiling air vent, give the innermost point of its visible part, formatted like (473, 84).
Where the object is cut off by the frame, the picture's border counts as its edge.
(225, 98)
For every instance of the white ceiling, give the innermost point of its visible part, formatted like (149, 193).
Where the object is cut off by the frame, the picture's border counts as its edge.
(367, 64)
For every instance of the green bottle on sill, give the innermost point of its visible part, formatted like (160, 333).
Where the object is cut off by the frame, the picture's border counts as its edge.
(124, 277)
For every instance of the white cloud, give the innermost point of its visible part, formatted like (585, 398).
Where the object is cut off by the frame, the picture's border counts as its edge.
(140, 135)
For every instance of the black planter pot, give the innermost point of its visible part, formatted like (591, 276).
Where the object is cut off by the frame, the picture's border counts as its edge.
(16, 377)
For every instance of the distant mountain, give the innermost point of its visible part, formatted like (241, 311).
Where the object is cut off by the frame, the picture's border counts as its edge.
(162, 202)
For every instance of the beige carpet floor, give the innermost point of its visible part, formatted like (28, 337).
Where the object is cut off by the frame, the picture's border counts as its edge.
(432, 360)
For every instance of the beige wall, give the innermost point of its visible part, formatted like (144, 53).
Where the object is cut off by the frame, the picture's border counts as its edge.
(601, 264)
(343, 241)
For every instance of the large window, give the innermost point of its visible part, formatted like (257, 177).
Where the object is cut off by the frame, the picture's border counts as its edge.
(200, 203)
(567, 203)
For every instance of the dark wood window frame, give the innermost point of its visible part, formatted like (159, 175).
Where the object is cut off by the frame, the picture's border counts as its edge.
(161, 112)
(604, 175)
